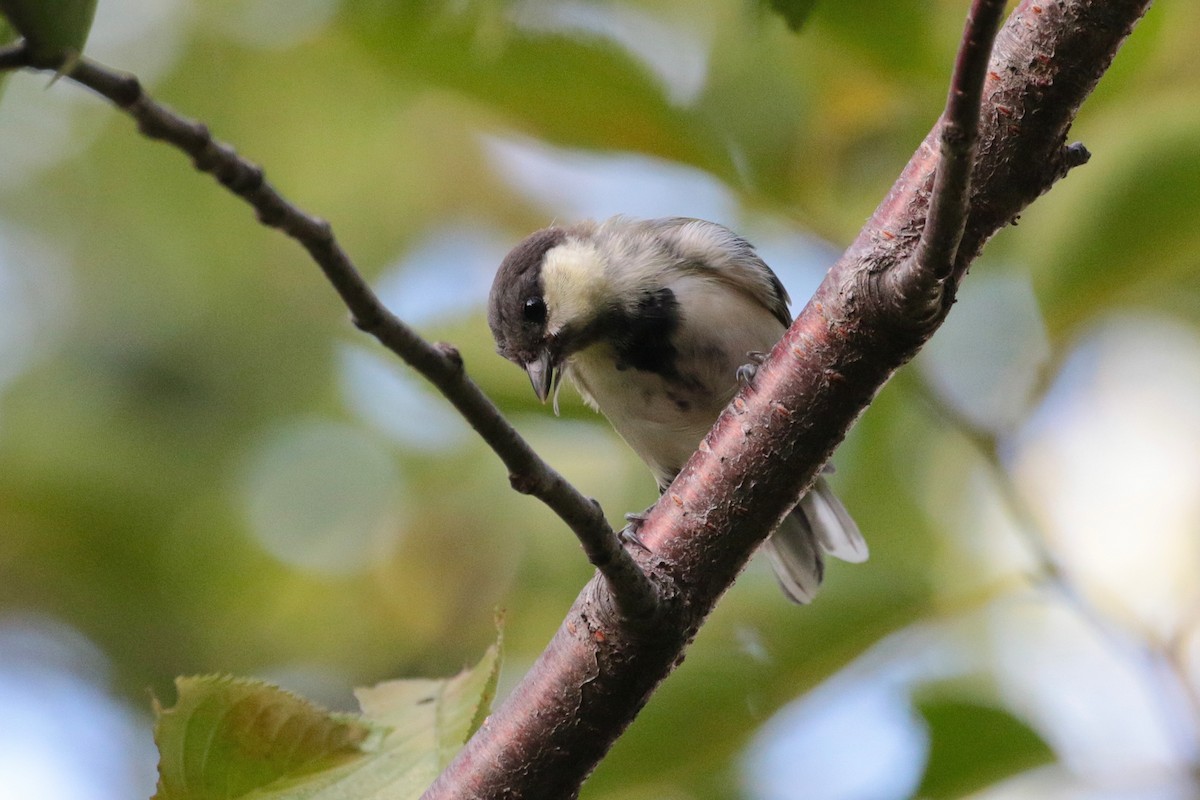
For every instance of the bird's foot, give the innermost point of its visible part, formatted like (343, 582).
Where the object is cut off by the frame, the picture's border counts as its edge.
(746, 372)
(629, 534)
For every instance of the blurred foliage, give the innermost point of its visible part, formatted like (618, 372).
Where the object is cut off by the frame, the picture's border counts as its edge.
(155, 339)
(794, 12)
(959, 732)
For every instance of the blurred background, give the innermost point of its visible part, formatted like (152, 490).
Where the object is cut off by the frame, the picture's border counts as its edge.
(205, 468)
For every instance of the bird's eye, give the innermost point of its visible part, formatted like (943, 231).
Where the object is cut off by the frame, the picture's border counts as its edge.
(535, 310)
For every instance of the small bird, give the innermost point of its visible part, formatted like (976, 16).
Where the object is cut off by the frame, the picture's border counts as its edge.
(657, 323)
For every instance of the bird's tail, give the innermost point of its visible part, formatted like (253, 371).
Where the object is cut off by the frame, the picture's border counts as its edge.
(819, 524)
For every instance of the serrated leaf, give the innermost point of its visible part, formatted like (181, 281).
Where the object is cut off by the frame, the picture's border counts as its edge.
(233, 738)
(973, 746)
(52, 27)
(451, 710)
(226, 737)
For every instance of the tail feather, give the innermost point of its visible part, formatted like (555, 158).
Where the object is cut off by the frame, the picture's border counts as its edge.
(796, 559)
(818, 523)
(831, 522)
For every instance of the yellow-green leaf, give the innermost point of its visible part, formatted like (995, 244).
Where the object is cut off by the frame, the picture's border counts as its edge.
(449, 711)
(226, 737)
(230, 738)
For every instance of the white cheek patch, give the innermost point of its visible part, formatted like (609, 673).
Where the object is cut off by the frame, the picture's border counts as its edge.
(574, 283)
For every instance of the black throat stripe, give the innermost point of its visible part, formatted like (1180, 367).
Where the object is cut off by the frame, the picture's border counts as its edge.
(643, 335)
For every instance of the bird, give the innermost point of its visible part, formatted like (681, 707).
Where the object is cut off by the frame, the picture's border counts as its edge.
(657, 323)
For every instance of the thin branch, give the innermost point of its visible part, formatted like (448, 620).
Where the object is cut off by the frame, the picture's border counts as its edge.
(1153, 656)
(1176, 653)
(635, 595)
(920, 278)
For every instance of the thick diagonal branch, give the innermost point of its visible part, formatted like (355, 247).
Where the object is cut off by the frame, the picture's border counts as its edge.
(767, 447)
(440, 364)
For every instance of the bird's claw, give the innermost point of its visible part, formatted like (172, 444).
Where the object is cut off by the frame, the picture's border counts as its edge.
(629, 537)
(746, 372)
(629, 534)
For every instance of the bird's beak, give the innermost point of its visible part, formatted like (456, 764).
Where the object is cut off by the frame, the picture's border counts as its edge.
(541, 374)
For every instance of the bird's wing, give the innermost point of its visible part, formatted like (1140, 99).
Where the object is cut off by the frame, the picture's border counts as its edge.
(726, 256)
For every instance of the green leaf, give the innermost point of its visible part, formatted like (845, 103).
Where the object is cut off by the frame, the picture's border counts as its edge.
(53, 28)
(231, 738)
(794, 12)
(973, 746)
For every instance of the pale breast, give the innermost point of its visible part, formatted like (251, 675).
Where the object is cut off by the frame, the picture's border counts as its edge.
(663, 415)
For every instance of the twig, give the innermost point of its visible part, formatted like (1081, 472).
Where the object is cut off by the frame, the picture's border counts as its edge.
(1153, 656)
(921, 276)
(636, 596)
(1175, 651)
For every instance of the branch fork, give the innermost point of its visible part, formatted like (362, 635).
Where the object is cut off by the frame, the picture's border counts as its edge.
(918, 282)
(877, 306)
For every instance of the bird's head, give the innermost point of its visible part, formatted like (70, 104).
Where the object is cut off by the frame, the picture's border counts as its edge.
(545, 301)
